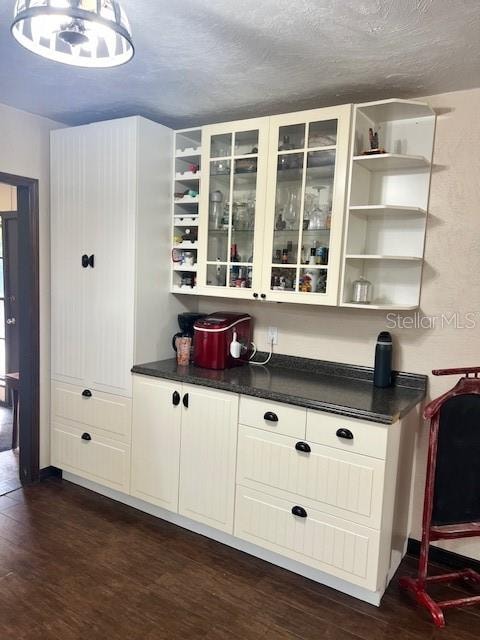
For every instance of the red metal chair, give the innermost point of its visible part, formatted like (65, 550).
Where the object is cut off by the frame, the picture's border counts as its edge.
(454, 432)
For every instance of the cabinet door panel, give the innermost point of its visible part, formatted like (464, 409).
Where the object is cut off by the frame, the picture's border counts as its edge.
(156, 441)
(306, 198)
(68, 209)
(111, 233)
(343, 549)
(232, 206)
(208, 455)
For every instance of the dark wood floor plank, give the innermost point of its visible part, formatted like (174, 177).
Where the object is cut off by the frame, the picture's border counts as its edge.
(77, 566)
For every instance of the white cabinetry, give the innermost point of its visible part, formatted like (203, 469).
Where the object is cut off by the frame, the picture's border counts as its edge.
(208, 456)
(156, 441)
(320, 489)
(110, 194)
(184, 447)
(110, 222)
(388, 202)
(272, 206)
(318, 493)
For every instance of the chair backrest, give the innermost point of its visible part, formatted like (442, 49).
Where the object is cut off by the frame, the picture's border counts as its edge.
(456, 496)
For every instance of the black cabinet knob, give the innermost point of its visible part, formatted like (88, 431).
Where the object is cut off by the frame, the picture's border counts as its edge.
(88, 261)
(176, 398)
(86, 436)
(303, 447)
(255, 295)
(345, 433)
(86, 393)
(185, 401)
(270, 416)
(263, 296)
(299, 512)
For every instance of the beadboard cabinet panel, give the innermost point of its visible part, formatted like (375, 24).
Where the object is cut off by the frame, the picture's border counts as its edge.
(208, 456)
(104, 412)
(344, 549)
(343, 484)
(110, 202)
(69, 212)
(156, 441)
(97, 458)
(114, 183)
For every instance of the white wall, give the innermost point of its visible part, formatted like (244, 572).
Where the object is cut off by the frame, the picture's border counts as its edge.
(25, 151)
(451, 283)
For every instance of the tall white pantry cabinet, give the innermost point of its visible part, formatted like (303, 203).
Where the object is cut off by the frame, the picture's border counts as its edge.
(110, 204)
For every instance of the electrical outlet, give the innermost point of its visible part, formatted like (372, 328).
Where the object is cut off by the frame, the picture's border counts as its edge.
(272, 335)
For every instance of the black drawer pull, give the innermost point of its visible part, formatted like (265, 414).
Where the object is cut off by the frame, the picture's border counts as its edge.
(255, 295)
(303, 447)
(91, 261)
(86, 393)
(84, 261)
(263, 296)
(270, 416)
(175, 398)
(346, 434)
(86, 436)
(299, 512)
(185, 401)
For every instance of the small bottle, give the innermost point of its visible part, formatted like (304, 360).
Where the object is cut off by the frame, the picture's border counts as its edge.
(313, 256)
(285, 256)
(382, 374)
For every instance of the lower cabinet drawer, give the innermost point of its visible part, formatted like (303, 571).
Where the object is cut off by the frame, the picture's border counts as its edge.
(342, 549)
(340, 483)
(348, 434)
(91, 456)
(275, 417)
(102, 411)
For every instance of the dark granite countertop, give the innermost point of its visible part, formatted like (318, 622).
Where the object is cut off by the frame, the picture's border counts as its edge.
(315, 384)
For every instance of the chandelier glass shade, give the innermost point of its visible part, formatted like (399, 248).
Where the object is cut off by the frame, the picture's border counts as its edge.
(83, 33)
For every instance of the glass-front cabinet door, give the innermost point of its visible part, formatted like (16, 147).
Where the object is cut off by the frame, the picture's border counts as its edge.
(306, 196)
(232, 207)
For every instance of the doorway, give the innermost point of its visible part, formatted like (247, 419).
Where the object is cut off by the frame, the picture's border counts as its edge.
(19, 332)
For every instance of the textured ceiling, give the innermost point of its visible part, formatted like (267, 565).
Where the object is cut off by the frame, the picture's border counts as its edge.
(200, 61)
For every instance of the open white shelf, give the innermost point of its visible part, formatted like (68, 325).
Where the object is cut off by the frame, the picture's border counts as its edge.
(189, 152)
(391, 162)
(184, 267)
(388, 203)
(186, 221)
(175, 288)
(187, 200)
(387, 210)
(395, 109)
(187, 176)
(380, 307)
(366, 256)
(186, 246)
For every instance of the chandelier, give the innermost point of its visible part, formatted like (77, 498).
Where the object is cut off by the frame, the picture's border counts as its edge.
(83, 33)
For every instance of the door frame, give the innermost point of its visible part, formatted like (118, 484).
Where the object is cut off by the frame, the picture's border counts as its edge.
(29, 324)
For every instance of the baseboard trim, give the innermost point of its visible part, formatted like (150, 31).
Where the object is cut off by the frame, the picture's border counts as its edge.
(50, 472)
(442, 556)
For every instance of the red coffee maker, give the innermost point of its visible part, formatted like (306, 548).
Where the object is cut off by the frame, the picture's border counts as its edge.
(222, 340)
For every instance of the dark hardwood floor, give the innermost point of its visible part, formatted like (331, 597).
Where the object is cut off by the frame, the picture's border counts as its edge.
(75, 565)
